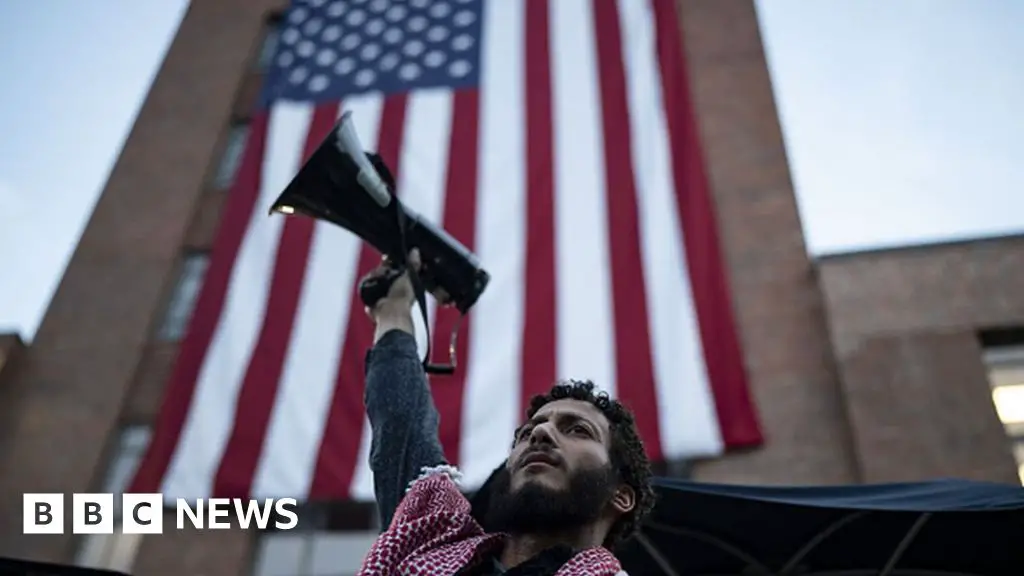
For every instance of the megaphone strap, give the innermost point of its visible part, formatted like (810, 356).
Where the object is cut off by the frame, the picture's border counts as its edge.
(421, 298)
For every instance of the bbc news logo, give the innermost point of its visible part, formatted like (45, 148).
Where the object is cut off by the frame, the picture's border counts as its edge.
(144, 513)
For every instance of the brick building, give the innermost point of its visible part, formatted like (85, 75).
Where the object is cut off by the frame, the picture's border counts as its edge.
(866, 367)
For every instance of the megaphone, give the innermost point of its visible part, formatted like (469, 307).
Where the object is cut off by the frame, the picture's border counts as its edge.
(342, 184)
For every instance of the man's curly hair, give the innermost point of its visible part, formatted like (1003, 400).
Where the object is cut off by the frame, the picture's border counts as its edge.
(626, 452)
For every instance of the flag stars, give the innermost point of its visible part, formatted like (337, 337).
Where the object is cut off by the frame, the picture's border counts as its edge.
(413, 48)
(319, 83)
(290, 36)
(417, 24)
(305, 49)
(396, 13)
(375, 26)
(464, 18)
(326, 57)
(331, 34)
(340, 47)
(365, 77)
(462, 42)
(350, 42)
(393, 36)
(440, 10)
(355, 17)
(460, 68)
(336, 9)
(345, 66)
(298, 75)
(409, 72)
(313, 26)
(434, 58)
(389, 61)
(437, 34)
(298, 15)
(370, 52)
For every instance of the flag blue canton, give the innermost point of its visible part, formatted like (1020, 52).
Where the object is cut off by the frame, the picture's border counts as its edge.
(332, 49)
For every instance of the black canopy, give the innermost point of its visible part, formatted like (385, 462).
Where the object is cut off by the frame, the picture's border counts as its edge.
(941, 527)
(935, 527)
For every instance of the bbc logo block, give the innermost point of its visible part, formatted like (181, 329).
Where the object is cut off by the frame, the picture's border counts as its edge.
(94, 514)
(43, 513)
(142, 513)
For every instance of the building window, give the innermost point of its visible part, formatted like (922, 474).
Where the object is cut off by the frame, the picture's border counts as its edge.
(1006, 374)
(330, 540)
(231, 159)
(183, 299)
(268, 48)
(117, 551)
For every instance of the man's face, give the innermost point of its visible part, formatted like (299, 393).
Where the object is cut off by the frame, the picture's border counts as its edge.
(558, 475)
(562, 438)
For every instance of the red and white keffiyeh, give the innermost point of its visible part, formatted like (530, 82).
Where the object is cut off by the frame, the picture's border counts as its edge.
(434, 534)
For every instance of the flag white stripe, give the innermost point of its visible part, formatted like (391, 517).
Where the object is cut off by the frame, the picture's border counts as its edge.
(211, 414)
(310, 368)
(422, 171)
(686, 408)
(586, 339)
(367, 111)
(493, 366)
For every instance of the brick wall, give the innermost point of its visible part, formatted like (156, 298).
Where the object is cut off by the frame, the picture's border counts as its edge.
(905, 326)
(56, 429)
(775, 294)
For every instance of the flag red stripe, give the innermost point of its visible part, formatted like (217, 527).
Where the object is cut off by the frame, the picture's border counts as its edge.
(736, 415)
(181, 386)
(258, 392)
(634, 370)
(459, 220)
(540, 345)
(338, 454)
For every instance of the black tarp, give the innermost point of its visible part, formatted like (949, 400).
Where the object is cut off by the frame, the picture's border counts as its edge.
(951, 526)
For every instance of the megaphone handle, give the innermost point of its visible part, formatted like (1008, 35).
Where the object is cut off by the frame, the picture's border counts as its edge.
(371, 290)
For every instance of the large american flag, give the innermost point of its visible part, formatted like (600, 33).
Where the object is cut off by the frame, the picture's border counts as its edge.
(555, 139)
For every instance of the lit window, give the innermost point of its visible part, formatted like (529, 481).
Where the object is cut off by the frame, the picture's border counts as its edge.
(1006, 373)
(117, 551)
(183, 299)
(330, 539)
(231, 159)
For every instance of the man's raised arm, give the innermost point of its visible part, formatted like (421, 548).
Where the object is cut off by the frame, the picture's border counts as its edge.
(398, 401)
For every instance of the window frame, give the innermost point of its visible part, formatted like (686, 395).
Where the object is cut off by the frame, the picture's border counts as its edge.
(181, 303)
(269, 42)
(232, 154)
(116, 551)
(1005, 367)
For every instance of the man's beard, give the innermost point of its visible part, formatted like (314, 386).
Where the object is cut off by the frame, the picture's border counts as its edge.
(538, 509)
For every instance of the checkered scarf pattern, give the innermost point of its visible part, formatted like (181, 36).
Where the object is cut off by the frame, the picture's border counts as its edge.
(434, 534)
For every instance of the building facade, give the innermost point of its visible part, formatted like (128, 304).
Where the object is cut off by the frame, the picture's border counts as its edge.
(866, 367)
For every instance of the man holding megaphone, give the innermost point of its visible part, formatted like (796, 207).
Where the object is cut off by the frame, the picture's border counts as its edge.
(576, 481)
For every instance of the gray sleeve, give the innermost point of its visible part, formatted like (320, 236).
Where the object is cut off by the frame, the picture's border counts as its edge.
(403, 419)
